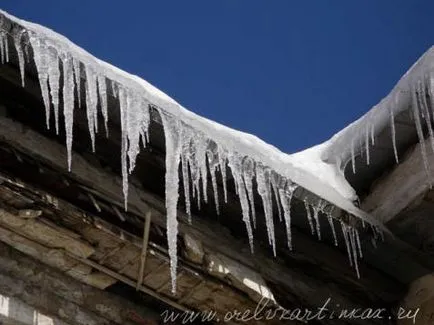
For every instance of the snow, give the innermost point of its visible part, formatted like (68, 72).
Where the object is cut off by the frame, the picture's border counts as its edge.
(412, 91)
(192, 141)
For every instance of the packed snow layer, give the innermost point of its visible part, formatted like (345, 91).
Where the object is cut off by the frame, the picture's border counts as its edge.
(414, 92)
(202, 147)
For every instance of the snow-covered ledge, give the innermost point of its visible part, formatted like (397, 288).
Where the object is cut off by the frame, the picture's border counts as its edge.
(191, 140)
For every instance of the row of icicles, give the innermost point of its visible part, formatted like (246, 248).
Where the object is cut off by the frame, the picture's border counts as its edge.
(197, 154)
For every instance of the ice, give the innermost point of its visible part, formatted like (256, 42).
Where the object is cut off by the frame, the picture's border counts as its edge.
(235, 164)
(213, 163)
(426, 111)
(344, 229)
(275, 185)
(102, 90)
(332, 226)
(173, 152)
(91, 104)
(186, 184)
(40, 57)
(353, 157)
(264, 190)
(392, 128)
(309, 217)
(285, 196)
(416, 114)
(54, 82)
(354, 251)
(201, 146)
(4, 45)
(77, 75)
(367, 146)
(316, 210)
(137, 123)
(20, 54)
(359, 244)
(124, 141)
(3, 35)
(248, 174)
(222, 164)
(68, 102)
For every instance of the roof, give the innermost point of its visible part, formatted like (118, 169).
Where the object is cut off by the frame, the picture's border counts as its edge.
(189, 139)
(263, 178)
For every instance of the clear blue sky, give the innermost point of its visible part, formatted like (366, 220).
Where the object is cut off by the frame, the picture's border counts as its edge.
(291, 72)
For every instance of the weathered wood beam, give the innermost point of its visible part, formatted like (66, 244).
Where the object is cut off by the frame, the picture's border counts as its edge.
(44, 234)
(51, 291)
(407, 182)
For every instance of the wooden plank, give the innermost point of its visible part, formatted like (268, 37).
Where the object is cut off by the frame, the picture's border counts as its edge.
(56, 258)
(45, 234)
(403, 185)
(51, 291)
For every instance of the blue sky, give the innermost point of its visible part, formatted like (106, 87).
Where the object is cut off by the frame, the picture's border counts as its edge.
(291, 72)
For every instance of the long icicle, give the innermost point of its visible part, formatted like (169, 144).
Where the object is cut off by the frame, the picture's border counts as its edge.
(392, 128)
(418, 123)
(172, 133)
(20, 55)
(68, 103)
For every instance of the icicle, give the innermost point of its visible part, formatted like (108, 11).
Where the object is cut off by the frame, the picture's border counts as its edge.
(54, 82)
(41, 63)
(373, 134)
(213, 165)
(68, 103)
(27, 54)
(124, 141)
(415, 109)
(137, 124)
(353, 158)
(275, 186)
(235, 165)
(430, 86)
(309, 216)
(359, 245)
(222, 165)
(332, 226)
(264, 190)
(77, 74)
(186, 164)
(354, 250)
(2, 46)
(102, 90)
(316, 210)
(392, 127)
(425, 109)
(367, 146)
(6, 47)
(91, 104)
(285, 198)
(201, 145)
(248, 174)
(186, 183)
(20, 55)
(347, 242)
(190, 149)
(172, 132)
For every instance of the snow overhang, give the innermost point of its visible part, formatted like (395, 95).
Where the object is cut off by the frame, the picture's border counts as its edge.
(202, 147)
(379, 139)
